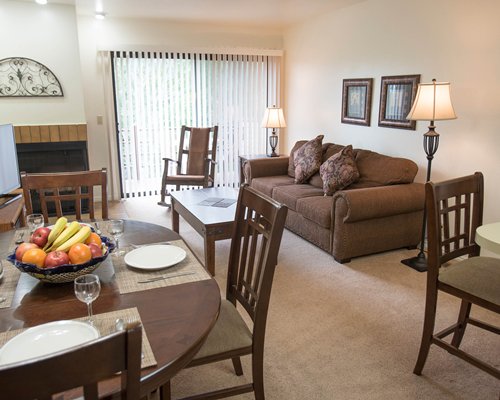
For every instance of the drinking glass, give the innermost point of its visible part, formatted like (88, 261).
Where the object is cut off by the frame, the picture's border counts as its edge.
(115, 228)
(87, 289)
(34, 221)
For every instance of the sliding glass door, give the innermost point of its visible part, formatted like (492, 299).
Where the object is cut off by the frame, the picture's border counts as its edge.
(157, 93)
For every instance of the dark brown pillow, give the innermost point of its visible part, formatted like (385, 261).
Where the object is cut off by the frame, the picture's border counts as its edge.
(339, 171)
(307, 159)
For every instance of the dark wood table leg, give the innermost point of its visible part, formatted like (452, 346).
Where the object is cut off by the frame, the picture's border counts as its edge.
(209, 253)
(175, 218)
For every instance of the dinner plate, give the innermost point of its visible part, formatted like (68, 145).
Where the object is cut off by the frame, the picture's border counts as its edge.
(156, 256)
(45, 339)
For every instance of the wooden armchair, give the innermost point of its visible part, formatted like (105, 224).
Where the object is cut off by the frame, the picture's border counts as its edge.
(81, 366)
(474, 280)
(255, 243)
(195, 163)
(65, 187)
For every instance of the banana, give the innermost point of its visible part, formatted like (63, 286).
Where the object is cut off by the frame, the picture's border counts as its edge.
(79, 237)
(56, 231)
(71, 230)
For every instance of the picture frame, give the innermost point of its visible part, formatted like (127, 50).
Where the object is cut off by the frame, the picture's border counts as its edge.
(397, 94)
(356, 101)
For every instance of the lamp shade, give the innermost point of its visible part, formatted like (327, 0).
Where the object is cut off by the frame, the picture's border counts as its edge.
(432, 103)
(273, 118)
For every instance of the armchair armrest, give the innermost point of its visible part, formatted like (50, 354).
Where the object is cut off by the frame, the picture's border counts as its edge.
(378, 202)
(265, 167)
(167, 160)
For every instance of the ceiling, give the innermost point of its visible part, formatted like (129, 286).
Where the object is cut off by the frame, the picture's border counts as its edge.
(272, 13)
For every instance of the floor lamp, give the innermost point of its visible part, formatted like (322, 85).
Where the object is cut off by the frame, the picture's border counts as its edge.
(273, 118)
(432, 103)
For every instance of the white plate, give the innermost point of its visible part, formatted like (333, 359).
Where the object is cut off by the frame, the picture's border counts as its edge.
(156, 256)
(45, 339)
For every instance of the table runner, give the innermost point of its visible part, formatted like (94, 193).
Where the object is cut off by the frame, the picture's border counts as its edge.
(127, 278)
(105, 324)
(8, 284)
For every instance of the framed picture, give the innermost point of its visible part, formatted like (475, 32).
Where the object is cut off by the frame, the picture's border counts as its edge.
(357, 101)
(397, 94)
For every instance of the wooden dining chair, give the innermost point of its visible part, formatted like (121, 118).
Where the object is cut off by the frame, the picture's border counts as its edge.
(68, 187)
(455, 210)
(255, 243)
(195, 161)
(82, 366)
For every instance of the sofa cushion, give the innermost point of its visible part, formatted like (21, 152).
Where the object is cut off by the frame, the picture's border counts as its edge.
(317, 209)
(307, 159)
(379, 170)
(329, 149)
(339, 171)
(265, 184)
(291, 159)
(288, 195)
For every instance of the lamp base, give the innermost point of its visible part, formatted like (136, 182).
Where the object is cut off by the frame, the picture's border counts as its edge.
(418, 263)
(273, 154)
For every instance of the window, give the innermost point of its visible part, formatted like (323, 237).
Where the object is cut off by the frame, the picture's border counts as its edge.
(156, 93)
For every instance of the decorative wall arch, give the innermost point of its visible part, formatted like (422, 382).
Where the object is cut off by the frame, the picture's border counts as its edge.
(24, 77)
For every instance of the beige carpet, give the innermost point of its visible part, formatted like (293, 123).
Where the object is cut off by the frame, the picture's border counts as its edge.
(342, 332)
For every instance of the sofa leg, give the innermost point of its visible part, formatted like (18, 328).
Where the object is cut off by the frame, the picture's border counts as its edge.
(342, 261)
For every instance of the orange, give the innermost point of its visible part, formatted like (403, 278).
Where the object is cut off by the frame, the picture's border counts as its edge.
(94, 238)
(79, 253)
(34, 256)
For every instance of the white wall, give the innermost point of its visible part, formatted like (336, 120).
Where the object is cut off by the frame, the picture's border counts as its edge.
(47, 35)
(450, 40)
(124, 34)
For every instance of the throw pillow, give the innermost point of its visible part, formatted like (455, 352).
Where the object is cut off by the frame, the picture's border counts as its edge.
(339, 171)
(307, 159)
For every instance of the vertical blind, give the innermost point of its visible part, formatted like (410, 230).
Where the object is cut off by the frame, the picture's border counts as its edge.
(156, 93)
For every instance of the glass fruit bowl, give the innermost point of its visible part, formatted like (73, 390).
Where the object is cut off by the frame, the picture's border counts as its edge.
(66, 272)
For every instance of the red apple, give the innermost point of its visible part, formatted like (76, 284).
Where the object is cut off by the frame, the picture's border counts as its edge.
(95, 249)
(40, 236)
(55, 258)
(22, 248)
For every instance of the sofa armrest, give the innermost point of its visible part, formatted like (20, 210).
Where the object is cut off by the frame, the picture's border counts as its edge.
(379, 202)
(265, 167)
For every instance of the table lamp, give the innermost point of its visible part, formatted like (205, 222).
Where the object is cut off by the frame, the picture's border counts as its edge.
(432, 103)
(273, 118)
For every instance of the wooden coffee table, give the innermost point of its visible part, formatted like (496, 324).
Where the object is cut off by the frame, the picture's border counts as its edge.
(211, 222)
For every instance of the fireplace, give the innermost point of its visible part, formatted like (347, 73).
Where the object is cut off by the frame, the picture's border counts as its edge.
(54, 154)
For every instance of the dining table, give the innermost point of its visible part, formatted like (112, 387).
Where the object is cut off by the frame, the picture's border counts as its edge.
(176, 318)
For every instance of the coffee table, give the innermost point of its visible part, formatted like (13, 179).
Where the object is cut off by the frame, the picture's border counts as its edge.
(211, 222)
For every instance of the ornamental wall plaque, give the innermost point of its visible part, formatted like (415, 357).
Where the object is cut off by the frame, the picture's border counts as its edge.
(24, 77)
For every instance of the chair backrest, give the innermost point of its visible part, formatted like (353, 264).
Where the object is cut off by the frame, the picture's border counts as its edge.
(197, 146)
(454, 211)
(82, 366)
(68, 187)
(253, 256)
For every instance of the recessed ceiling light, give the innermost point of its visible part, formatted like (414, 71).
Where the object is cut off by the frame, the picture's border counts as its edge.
(100, 15)
(42, 2)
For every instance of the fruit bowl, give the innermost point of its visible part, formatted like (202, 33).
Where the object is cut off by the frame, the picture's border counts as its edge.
(66, 272)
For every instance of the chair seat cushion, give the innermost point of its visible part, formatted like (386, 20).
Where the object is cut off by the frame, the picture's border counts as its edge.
(229, 333)
(478, 276)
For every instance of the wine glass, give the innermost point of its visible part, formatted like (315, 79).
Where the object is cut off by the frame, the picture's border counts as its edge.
(34, 221)
(116, 228)
(87, 289)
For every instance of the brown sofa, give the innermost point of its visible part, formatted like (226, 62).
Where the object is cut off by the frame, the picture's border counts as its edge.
(382, 211)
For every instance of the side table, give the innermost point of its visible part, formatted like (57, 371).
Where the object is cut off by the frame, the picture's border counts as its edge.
(12, 215)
